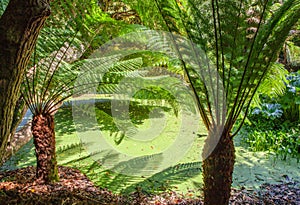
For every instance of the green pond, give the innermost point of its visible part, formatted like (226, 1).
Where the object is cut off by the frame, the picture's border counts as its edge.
(184, 175)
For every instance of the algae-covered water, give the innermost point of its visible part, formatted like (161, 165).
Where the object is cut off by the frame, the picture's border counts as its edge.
(252, 169)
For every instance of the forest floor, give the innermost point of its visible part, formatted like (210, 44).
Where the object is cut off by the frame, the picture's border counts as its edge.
(20, 187)
(257, 179)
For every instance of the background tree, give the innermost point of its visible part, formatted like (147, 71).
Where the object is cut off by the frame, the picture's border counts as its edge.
(19, 27)
(82, 17)
(241, 38)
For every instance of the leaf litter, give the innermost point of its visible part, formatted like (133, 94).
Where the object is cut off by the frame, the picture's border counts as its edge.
(21, 187)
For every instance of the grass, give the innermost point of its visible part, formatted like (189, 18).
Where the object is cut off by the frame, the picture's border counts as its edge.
(251, 169)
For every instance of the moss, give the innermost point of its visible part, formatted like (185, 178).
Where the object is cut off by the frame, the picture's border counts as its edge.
(293, 54)
(54, 177)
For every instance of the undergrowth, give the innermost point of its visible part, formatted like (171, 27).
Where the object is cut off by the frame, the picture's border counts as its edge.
(281, 138)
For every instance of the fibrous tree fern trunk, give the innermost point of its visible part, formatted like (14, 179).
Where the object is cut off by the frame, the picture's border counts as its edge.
(44, 141)
(51, 77)
(217, 171)
(242, 39)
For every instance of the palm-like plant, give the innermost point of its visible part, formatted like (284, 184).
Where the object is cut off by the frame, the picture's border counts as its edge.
(47, 84)
(50, 78)
(242, 60)
(72, 29)
(242, 39)
(66, 39)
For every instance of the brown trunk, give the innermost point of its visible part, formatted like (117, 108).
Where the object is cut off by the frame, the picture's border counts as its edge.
(19, 139)
(20, 25)
(44, 141)
(217, 172)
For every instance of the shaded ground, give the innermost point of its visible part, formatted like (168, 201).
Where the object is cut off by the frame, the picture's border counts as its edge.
(19, 187)
(251, 170)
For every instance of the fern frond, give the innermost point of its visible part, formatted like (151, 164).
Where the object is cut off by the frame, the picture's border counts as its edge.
(273, 85)
(239, 38)
(171, 176)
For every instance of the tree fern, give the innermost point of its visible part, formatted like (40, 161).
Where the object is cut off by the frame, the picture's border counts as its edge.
(273, 85)
(240, 40)
(54, 69)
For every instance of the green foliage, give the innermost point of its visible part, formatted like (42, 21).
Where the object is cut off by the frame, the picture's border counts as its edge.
(273, 85)
(159, 63)
(3, 5)
(266, 132)
(93, 27)
(113, 75)
(293, 54)
(148, 12)
(63, 40)
(70, 35)
(49, 83)
(290, 101)
(67, 19)
(268, 111)
(241, 38)
(273, 136)
(158, 93)
(282, 105)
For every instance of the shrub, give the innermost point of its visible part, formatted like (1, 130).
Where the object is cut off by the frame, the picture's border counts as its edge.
(284, 141)
(290, 101)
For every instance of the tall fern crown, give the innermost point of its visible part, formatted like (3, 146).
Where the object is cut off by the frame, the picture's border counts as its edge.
(242, 39)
